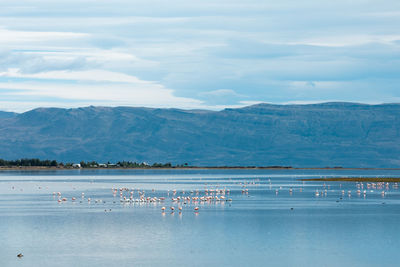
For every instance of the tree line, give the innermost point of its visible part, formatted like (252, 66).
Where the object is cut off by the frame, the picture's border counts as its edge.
(129, 164)
(120, 164)
(29, 163)
(83, 164)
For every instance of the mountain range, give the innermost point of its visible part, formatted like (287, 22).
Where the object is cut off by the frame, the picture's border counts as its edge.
(315, 135)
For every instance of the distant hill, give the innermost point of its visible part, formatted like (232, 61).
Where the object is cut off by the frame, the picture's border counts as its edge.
(4, 114)
(317, 135)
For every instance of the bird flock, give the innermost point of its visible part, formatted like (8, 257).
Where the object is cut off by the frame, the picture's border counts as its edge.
(174, 200)
(177, 199)
(361, 189)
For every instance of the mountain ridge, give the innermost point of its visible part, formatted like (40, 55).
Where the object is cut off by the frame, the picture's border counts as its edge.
(307, 135)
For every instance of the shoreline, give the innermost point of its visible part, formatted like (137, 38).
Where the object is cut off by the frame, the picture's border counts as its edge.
(354, 179)
(44, 168)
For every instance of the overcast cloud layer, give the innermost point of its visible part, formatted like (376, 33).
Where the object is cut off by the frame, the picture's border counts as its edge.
(197, 54)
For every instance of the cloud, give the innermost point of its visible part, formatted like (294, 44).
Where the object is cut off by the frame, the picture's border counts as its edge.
(198, 53)
(9, 36)
(94, 87)
(349, 40)
(84, 75)
(221, 97)
(151, 95)
(220, 92)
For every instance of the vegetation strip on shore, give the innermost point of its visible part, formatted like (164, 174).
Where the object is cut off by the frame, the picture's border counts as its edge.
(355, 179)
(38, 164)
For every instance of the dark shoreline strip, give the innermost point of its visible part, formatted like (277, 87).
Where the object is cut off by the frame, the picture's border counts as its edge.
(354, 179)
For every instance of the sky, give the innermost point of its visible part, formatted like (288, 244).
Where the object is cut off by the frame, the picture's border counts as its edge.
(197, 54)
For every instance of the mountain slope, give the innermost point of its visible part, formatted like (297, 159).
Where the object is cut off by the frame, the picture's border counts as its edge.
(328, 134)
(4, 115)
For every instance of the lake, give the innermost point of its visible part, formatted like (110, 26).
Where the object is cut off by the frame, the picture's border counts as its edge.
(244, 218)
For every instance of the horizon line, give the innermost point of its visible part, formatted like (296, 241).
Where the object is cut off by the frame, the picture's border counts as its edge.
(226, 107)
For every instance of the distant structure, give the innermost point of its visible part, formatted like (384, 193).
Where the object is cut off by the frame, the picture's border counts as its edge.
(76, 165)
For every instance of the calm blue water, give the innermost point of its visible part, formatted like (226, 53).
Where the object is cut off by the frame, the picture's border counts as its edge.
(272, 219)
